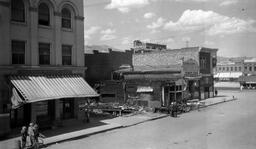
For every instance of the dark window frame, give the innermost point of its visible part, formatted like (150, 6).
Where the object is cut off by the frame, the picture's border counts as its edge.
(18, 52)
(66, 54)
(44, 14)
(66, 18)
(18, 11)
(44, 53)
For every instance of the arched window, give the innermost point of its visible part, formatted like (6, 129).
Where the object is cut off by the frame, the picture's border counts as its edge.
(17, 11)
(66, 18)
(43, 14)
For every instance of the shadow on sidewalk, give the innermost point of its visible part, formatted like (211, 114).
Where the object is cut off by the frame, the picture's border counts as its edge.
(67, 126)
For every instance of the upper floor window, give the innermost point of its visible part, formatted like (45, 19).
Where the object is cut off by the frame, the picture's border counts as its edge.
(235, 68)
(18, 52)
(43, 14)
(245, 68)
(203, 63)
(44, 54)
(66, 55)
(227, 68)
(240, 69)
(231, 68)
(66, 18)
(17, 11)
(254, 68)
(250, 68)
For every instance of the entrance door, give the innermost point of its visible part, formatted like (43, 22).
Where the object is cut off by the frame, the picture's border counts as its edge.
(68, 108)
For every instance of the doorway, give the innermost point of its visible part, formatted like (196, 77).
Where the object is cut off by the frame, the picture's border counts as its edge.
(67, 106)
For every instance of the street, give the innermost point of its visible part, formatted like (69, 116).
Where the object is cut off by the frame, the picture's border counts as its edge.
(229, 125)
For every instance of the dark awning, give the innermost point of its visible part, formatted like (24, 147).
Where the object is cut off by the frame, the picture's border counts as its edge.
(40, 88)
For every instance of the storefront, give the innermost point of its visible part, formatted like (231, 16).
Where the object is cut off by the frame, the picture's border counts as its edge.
(47, 100)
(206, 87)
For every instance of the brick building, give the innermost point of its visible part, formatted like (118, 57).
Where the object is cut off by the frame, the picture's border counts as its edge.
(157, 78)
(41, 62)
(100, 66)
(198, 64)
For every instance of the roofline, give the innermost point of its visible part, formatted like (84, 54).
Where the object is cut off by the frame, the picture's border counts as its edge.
(152, 72)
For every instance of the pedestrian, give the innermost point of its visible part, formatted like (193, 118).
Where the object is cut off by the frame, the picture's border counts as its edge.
(216, 93)
(88, 111)
(31, 134)
(37, 135)
(24, 134)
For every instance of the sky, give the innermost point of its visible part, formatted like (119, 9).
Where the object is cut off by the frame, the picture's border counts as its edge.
(228, 25)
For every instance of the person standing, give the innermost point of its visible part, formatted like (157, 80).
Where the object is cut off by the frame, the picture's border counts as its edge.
(31, 134)
(23, 136)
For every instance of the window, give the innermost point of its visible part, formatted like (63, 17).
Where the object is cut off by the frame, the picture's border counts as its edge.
(227, 68)
(235, 68)
(18, 52)
(250, 68)
(240, 69)
(203, 63)
(223, 68)
(17, 11)
(245, 68)
(44, 54)
(66, 18)
(231, 68)
(219, 68)
(43, 14)
(254, 68)
(66, 55)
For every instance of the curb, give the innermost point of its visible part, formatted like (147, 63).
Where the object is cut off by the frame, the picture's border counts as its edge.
(97, 132)
(82, 136)
(223, 101)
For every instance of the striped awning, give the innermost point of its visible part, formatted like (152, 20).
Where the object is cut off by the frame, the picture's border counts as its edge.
(40, 88)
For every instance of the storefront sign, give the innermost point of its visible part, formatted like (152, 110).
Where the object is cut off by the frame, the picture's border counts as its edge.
(191, 68)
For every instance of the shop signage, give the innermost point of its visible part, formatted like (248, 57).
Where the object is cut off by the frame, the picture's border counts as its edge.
(191, 68)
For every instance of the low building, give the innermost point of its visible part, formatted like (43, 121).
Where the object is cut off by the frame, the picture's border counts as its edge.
(152, 87)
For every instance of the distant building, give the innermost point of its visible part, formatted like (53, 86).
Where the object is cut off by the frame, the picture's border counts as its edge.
(141, 47)
(250, 66)
(229, 71)
(41, 62)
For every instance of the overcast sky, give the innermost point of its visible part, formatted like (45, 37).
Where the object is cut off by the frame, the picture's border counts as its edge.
(229, 25)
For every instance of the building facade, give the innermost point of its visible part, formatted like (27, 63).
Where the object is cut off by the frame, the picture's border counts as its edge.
(41, 54)
(198, 64)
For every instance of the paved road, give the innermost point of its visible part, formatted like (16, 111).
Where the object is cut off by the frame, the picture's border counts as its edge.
(230, 125)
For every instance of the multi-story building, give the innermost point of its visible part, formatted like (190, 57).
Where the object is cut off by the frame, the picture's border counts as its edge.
(41, 62)
(229, 71)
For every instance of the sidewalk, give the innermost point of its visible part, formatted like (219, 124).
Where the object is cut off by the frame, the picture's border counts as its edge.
(114, 123)
(217, 100)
